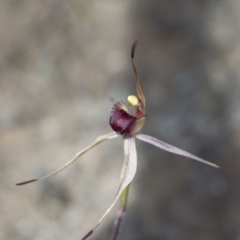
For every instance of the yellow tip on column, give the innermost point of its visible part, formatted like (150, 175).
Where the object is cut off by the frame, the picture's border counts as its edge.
(133, 100)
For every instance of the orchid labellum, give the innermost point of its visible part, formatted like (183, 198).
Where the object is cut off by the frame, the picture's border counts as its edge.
(127, 120)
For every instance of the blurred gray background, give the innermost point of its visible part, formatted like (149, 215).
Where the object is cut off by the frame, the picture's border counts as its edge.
(62, 66)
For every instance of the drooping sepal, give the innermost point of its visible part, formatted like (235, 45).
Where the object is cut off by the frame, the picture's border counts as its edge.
(169, 148)
(97, 141)
(128, 172)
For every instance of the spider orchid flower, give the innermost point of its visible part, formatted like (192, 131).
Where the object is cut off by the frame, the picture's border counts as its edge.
(127, 120)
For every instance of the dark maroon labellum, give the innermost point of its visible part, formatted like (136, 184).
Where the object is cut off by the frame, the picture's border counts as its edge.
(120, 121)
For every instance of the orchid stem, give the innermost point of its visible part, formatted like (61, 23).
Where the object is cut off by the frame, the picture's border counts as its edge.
(120, 213)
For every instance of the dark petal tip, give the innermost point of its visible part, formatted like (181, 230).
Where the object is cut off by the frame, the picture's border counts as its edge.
(133, 48)
(26, 182)
(87, 235)
(228, 171)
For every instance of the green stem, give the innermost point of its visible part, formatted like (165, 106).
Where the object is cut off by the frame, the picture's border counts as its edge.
(120, 213)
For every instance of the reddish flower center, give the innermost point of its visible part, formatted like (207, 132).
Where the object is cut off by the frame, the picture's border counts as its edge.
(121, 121)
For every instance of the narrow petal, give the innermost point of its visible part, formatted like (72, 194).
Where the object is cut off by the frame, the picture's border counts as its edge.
(169, 148)
(127, 175)
(98, 140)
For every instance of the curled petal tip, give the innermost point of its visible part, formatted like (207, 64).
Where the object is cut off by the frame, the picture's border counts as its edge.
(87, 235)
(228, 171)
(26, 182)
(133, 48)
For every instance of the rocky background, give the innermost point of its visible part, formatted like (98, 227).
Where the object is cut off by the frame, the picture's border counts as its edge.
(62, 66)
